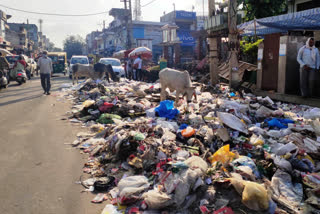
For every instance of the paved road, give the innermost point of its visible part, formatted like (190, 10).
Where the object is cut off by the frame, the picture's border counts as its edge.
(37, 170)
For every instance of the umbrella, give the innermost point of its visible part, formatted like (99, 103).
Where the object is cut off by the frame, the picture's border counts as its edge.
(144, 52)
(119, 54)
(5, 52)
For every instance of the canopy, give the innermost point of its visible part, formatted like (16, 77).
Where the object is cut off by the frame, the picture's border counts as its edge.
(5, 52)
(119, 54)
(304, 20)
(144, 52)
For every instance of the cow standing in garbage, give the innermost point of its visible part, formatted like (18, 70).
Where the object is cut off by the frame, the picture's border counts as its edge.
(178, 81)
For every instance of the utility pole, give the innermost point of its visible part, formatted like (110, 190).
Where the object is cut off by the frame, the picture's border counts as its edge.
(234, 44)
(130, 36)
(213, 49)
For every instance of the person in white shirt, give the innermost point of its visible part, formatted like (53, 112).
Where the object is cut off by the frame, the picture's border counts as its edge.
(45, 65)
(137, 65)
(309, 60)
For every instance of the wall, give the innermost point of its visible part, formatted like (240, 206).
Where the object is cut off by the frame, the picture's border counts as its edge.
(292, 70)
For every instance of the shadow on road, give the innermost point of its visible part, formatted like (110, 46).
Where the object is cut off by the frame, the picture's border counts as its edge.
(21, 100)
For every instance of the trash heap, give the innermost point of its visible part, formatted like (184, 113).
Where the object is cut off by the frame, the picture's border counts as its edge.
(223, 154)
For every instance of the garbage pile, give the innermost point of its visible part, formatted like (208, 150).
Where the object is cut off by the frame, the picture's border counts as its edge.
(223, 154)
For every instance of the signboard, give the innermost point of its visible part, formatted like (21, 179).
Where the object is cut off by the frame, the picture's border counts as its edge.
(186, 15)
(186, 38)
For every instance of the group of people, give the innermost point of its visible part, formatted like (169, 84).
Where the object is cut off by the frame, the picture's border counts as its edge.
(44, 65)
(134, 69)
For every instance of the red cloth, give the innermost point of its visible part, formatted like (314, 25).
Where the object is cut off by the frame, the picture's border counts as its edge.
(22, 62)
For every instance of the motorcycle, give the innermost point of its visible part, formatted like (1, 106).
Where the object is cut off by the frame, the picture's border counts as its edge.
(3, 80)
(21, 77)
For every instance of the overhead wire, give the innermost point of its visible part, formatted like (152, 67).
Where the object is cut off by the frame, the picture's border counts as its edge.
(53, 14)
(148, 3)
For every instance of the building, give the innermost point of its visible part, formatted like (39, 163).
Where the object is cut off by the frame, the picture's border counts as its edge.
(3, 29)
(18, 39)
(91, 42)
(115, 37)
(284, 35)
(184, 23)
(300, 5)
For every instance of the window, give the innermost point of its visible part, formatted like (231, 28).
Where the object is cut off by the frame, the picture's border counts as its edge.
(112, 62)
(79, 60)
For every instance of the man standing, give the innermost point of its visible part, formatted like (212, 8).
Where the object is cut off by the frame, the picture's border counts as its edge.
(309, 60)
(137, 65)
(45, 65)
(4, 65)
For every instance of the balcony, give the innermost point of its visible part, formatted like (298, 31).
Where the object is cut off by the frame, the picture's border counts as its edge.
(220, 22)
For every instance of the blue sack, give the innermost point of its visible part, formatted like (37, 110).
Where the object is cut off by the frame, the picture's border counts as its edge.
(279, 123)
(167, 110)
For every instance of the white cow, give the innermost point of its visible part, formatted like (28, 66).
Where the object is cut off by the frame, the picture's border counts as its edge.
(178, 81)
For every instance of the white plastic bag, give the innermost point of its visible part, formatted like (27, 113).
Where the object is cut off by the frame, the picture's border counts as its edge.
(132, 185)
(156, 199)
(233, 122)
(110, 209)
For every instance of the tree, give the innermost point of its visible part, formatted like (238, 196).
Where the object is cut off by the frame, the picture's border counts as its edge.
(263, 8)
(73, 45)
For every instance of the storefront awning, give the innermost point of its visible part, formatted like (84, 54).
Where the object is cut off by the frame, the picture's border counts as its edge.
(304, 20)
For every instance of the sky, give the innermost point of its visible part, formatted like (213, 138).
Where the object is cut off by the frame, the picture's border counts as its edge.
(58, 28)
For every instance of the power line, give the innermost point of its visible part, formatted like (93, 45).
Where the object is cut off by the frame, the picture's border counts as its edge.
(148, 3)
(52, 14)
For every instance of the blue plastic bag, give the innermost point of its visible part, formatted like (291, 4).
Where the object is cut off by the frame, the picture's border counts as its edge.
(279, 123)
(167, 110)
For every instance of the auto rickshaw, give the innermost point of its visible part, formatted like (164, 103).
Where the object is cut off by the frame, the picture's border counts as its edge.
(59, 62)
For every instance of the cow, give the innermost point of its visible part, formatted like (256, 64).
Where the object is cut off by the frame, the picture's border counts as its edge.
(178, 81)
(98, 71)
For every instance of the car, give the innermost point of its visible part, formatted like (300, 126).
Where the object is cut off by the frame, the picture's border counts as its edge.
(116, 65)
(32, 66)
(12, 60)
(83, 60)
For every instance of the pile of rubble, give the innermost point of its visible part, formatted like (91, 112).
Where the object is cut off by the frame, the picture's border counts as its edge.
(223, 154)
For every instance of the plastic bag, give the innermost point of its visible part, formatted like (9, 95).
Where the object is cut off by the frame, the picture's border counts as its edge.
(246, 161)
(312, 114)
(156, 200)
(279, 123)
(167, 110)
(263, 112)
(254, 195)
(110, 209)
(284, 188)
(172, 126)
(256, 141)
(132, 185)
(197, 162)
(88, 103)
(188, 132)
(223, 155)
(287, 148)
(107, 118)
(233, 122)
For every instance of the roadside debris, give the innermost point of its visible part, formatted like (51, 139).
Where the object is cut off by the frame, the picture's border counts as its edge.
(223, 154)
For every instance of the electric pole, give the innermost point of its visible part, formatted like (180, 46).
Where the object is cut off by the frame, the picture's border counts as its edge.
(213, 49)
(130, 36)
(234, 44)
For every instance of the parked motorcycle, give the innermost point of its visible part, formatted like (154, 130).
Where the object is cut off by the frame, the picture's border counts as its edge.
(3, 80)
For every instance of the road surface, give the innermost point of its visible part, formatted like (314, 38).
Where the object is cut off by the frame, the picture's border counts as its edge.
(38, 170)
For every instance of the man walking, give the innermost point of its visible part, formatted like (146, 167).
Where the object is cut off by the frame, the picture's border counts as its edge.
(45, 65)
(309, 60)
(138, 67)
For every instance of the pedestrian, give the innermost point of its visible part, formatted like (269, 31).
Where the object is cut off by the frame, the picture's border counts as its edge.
(4, 66)
(309, 59)
(129, 69)
(45, 66)
(137, 65)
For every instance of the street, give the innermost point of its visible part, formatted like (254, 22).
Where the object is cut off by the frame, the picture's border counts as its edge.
(38, 169)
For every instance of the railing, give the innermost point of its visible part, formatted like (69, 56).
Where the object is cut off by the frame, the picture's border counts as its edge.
(220, 21)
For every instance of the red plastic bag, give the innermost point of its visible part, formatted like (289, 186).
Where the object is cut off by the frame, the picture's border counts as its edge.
(225, 210)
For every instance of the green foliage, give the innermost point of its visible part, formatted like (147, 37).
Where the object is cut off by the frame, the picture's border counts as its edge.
(263, 8)
(73, 45)
(249, 50)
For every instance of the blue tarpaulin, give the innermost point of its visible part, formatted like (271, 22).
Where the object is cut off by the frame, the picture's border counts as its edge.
(304, 20)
